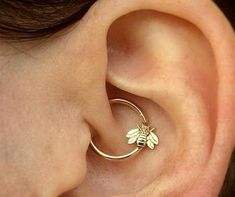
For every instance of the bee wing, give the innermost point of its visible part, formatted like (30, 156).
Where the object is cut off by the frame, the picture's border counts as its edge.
(153, 138)
(132, 140)
(132, 133)
(150, 143)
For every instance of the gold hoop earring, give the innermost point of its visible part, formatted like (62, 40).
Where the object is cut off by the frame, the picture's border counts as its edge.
(142, 135)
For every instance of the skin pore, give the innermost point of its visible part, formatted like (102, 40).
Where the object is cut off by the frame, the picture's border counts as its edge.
(165, 56)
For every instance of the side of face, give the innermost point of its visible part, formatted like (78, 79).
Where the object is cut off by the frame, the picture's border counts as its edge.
(165, 56)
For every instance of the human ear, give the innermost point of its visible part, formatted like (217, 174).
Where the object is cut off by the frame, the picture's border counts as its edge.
(177, 65)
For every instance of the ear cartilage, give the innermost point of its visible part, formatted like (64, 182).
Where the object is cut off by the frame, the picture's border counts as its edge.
(142, 136)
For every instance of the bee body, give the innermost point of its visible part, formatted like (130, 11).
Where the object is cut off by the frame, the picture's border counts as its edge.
(142, 139)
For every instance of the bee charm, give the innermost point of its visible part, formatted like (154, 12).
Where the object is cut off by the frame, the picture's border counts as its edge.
(143, 135)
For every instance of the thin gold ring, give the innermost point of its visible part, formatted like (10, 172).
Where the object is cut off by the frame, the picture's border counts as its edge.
(142, 135)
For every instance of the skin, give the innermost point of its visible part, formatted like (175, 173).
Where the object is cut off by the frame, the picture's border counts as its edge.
(174, 62)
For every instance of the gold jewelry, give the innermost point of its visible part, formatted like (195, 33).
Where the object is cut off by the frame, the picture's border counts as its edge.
(142, 135)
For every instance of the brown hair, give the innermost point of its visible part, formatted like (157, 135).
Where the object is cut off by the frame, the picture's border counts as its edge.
(22, 20)
(30, 19)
